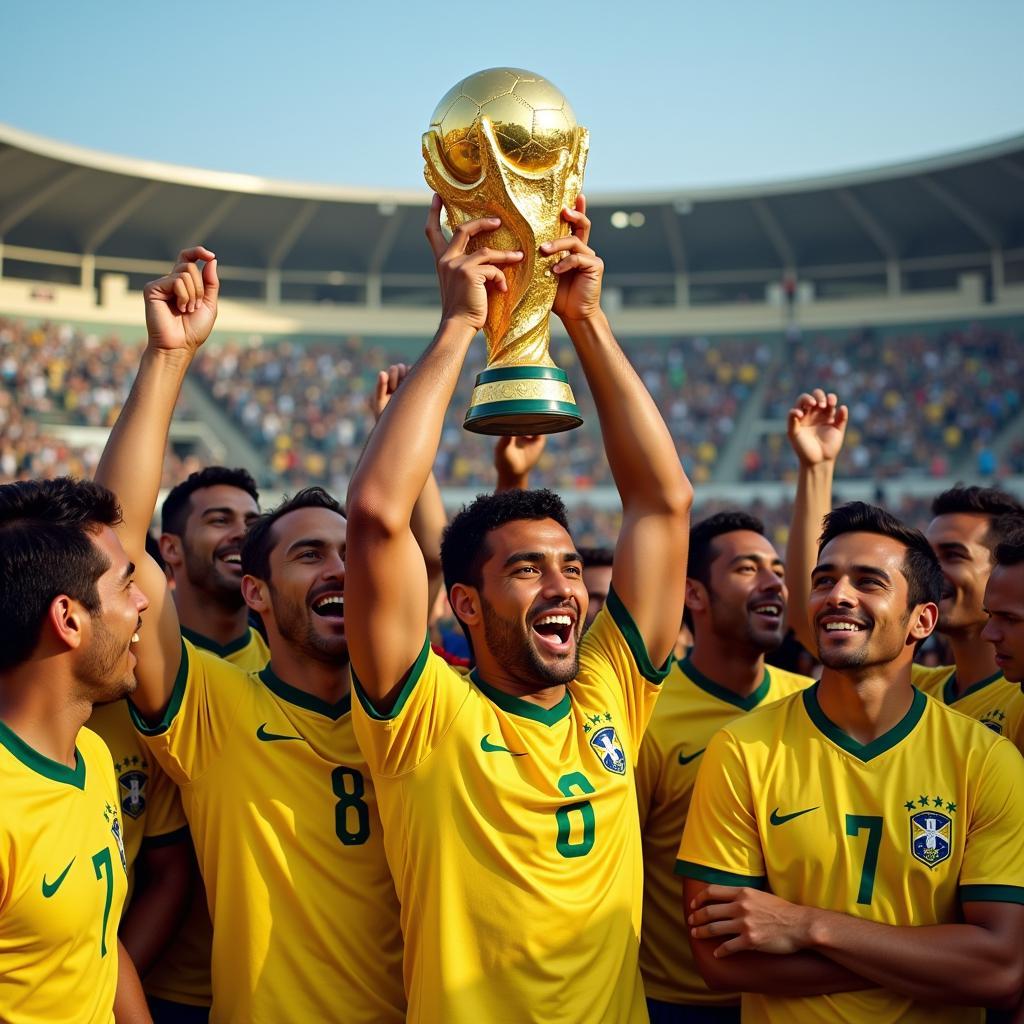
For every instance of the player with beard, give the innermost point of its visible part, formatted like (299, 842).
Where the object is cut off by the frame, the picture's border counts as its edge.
(70, 612)
(1004, 600)
(963, 533)
(508, 795)
(279, 802)
(854, 852)
(735, 605)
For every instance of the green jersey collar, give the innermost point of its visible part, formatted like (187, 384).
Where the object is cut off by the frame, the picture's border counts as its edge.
(708, 685)
(221, 650)
(949, 694)
(40, 764)
(523, 708)
(302, 699)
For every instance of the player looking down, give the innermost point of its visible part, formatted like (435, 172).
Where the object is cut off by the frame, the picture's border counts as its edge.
(854, 852)
(508, 795)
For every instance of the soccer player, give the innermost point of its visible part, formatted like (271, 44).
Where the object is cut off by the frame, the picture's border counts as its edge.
(597, 577)
(853, 852)
(508, 795)
(963, 533)
(280, 804)
(1004, 600)
(735, 605)
(70, 612)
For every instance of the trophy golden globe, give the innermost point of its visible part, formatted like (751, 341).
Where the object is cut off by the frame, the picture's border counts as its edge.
(505, 143)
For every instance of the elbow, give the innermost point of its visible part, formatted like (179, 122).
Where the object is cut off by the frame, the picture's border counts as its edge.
(1007, 988)
(371, 514)
(717, 974)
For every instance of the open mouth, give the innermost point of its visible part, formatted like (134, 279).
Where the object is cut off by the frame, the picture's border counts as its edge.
(770, 611)
(232, 558)
(330, 606)
(554, 631)
(841, 627)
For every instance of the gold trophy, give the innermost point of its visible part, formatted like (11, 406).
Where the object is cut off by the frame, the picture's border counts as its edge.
(505, 143)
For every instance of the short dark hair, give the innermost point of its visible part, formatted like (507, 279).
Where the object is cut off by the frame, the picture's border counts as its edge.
(177, 505)
(46, 550)
(920, 566)
(464, 544)
(258, 542)
(700, 556)
(595, 558)
(983, 501)
(1010, 549)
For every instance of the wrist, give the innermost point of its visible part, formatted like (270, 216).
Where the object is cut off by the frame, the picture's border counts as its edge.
(173, 359)
(457, 328)
(814, 930)
(589, 327)
(822, 471)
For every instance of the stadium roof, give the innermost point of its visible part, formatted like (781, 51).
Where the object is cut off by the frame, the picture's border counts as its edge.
(65, 204)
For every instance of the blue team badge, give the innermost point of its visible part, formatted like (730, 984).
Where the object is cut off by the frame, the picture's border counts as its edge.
(609, 749)
(931, 837)
(133, 797)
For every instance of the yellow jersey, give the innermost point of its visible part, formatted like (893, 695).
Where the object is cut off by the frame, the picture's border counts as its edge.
(995, 702)
(182, 973)
(284, 820)
(901, 830)
(512, 834)
(62, 884)
(691, 710)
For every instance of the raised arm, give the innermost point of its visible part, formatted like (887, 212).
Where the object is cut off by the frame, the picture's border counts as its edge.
(386, 601)
(649, 573)
(180, 312)
(816, 426)
(514, 458)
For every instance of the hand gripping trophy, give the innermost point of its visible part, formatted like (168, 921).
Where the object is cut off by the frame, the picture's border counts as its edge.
(505, 143)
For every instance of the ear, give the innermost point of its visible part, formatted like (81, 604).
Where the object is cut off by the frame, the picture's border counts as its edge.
(923, 620)
(68, 622)
(256, 594)
(171, 549)
(465, 602)
(696, 595)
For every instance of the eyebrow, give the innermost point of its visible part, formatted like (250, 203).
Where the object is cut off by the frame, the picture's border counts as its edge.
(872, 570)
(953, 545)
(540, 556)
(755, 558)
(306, 542)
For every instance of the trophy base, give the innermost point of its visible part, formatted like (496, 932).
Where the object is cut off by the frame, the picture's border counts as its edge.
(518, 400)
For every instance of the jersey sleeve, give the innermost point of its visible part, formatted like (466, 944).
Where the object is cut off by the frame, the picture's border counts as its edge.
(993, 864)
(190, 735)
(395, 742)
(165, 817)
(613, 651)
(721, 843)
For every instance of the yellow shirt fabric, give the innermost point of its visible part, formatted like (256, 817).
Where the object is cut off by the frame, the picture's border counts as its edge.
(284, 820)
(691, 709)
(63, 883)
(182, 974)
(513, 837)
(995, 702)
(901, 830)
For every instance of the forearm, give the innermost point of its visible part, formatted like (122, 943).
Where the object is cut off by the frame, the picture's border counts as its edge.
(812, 503)
(132, 461)
(399, 454)
(162, 895)
(795, 974)
(952, 963)
(638, 445)
(129, 999)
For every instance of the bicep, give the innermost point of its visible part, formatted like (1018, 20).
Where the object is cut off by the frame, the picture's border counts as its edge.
(1005, 921)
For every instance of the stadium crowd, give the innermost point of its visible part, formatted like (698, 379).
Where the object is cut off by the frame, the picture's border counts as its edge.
(624, 799)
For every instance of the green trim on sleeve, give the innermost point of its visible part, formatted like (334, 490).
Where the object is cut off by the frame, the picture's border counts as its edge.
(179, 835)
(992, 894)
(411, 679)
(40, 763)
(173, 705)
(688, 869)
(627, 627)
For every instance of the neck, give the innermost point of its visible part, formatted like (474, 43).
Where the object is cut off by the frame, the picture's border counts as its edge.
(494, 674)
(202, 614)
(866, 705)
(329, 682)
(975, 659)
(733, 668)
(37, 704)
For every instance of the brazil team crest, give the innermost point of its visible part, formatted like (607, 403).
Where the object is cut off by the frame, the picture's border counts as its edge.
(931, 837)
(112, 819)
(133, 796)
(608, 748)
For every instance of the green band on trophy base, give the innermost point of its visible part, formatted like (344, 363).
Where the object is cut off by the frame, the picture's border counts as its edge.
(519, 400)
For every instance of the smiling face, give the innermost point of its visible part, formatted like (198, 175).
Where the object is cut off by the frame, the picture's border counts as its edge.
(306, 589)
(859, 604)
(528, 615)
(1004, 602)
(209, 548)
(744, 603)
(105, 665)
(959, 541)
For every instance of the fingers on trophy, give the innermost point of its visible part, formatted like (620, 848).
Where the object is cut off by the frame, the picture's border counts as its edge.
(505, 143)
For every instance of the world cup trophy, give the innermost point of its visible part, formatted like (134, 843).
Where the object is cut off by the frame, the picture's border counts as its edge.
(505, 143)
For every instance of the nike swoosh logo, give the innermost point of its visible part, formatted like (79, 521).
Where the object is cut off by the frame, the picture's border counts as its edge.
(49, 888)
(692, 757)
(269, 737)
(781, 819)
(493, 748)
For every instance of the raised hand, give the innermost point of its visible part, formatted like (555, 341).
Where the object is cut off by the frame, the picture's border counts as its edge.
(182, 306)
(816, 427)
(466, 277)
(387, 384)
(514, 457)
(579, 271)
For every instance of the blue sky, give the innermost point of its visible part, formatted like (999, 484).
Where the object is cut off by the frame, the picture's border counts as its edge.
(675, 94)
